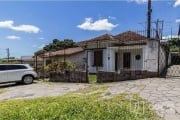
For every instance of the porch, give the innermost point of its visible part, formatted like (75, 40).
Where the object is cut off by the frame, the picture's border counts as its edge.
(115, 59)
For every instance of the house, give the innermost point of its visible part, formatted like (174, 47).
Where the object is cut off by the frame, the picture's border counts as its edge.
(31, 61)
(125, 51)
(75, 55)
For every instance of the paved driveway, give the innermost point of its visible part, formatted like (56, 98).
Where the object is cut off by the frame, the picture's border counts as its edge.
(163, 94)
(38, 89)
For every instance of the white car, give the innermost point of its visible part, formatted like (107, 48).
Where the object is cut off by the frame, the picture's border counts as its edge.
(17, 73)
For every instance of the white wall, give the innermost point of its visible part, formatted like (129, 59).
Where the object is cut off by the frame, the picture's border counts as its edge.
(111, 61)
(109, 58)
(93, 69)
(135, 64)
(150, 55)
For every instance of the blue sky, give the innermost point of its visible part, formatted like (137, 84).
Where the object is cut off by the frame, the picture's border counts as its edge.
(26, 26)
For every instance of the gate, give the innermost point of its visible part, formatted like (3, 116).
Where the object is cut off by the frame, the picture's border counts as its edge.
(174, 50)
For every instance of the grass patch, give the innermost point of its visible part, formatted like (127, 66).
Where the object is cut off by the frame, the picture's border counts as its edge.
(92, 78)
(78, 107)
(92, 89)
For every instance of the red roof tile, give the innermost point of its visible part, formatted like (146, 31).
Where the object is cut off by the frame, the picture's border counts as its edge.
(68, 51)
(130, 37)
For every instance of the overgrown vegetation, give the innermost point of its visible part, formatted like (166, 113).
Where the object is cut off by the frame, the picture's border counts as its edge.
(92, 78)
(79, 105)
(59, 66)
(174, 45)
(57, 45)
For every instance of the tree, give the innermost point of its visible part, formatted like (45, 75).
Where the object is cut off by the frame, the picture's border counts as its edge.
(39, 52)
(174, 44)
(57, 45)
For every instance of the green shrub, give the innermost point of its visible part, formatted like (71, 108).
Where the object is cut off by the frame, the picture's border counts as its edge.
(59, 66)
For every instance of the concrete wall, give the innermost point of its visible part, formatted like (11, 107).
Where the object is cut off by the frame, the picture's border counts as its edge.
(150, 56)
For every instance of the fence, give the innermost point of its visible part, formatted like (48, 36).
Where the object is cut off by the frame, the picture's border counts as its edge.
(69, 76)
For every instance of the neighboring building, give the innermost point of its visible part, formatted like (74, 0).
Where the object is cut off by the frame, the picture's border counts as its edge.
(11, 61)
(128, 50)
(32, 61)
(75, 55)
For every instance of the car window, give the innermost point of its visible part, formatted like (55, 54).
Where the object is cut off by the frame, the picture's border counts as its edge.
(2, 67)
(16, 67)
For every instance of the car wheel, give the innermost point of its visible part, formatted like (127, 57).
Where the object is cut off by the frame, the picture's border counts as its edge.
(27, 79)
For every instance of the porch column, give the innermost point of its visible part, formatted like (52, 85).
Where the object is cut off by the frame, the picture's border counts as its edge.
(110, 59)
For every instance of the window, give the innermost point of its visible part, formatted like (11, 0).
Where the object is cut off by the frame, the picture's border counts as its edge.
(98, 58)
(15, 67)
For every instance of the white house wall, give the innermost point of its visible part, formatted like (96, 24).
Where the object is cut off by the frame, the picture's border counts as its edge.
(150, 55)
(94, 69)
(135, 64)
(109, 58)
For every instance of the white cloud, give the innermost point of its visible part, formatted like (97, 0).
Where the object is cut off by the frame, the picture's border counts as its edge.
(138, 1)
(177, 3)
(178, 20)
(99, 25)
(41, 46)
(13, 37)
(170, 36)
(9, 24)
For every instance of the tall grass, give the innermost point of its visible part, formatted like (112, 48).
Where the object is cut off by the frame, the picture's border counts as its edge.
(78, 107)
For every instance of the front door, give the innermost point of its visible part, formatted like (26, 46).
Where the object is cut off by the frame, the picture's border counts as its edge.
(127, 60)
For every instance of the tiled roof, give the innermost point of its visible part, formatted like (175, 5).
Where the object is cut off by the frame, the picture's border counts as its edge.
(130, 37)
(31, 59)
(102, 37)
(99, 38)
(68, 51)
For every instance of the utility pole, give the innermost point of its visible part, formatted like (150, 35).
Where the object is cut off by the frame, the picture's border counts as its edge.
(8, 54)
(149, 20)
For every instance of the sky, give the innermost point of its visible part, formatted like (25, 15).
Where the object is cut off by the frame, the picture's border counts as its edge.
(26, 26)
